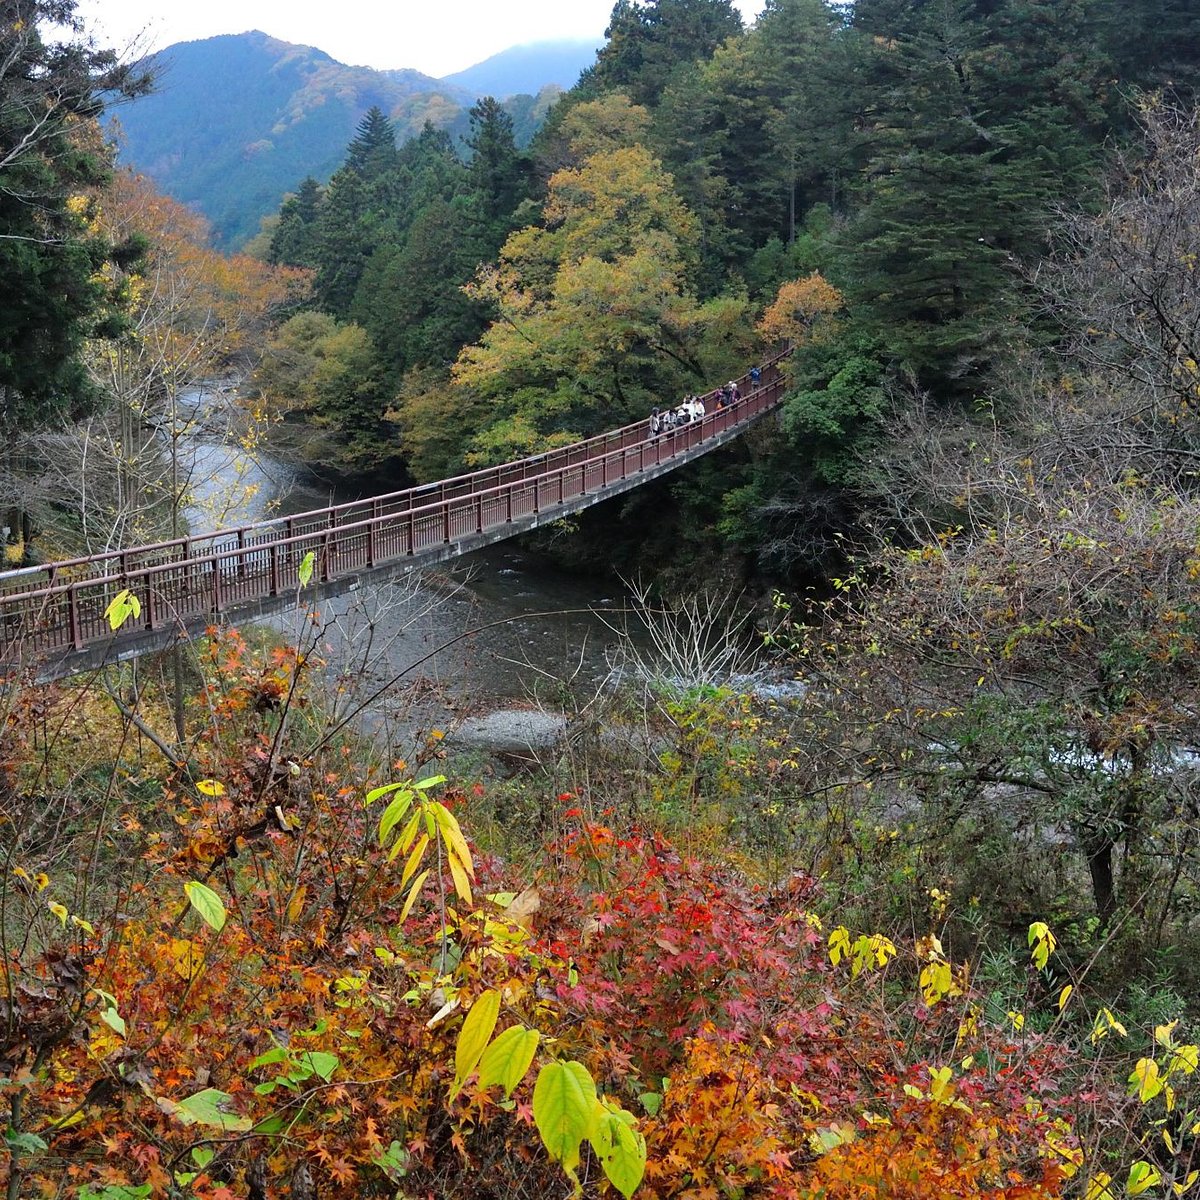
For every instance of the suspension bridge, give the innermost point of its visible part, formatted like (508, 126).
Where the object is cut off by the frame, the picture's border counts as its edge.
(53, 620)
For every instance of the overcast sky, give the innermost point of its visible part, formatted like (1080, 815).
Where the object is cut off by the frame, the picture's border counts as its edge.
(438, 37)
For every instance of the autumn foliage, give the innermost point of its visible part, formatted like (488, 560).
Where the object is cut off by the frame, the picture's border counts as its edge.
(247, 1008)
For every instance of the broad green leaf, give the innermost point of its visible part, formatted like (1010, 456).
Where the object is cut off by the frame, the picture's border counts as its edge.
(564, 1107)
(322, 1063)
(24, 1143)
(1142, 1177)
(211, 1107)
(507, 1059)
(432, 781)
(202, 1156)
(113, 1020)
(379, 792)
(394, 814)
(305, 571)
(620, 1148)
(122, 606)
(651, 1102)
(207, 903)
(276, 1054)
(474, 1036)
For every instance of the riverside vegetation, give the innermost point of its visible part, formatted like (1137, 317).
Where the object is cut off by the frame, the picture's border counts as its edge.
(927, 930)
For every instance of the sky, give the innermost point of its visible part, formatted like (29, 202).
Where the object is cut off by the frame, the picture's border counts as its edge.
(437, 37)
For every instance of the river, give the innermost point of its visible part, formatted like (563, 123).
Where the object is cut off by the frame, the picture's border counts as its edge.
(495, 629)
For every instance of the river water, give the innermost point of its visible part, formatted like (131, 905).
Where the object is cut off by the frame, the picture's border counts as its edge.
(493, 629)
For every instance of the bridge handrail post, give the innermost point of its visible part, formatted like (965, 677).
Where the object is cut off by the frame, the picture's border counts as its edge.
(73, 616)
(508, 496)
(215, 565)
(241, 571)
(274, 568)
(446, 521)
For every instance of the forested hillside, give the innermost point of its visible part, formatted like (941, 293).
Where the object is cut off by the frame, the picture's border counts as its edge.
(274, 112)
(917, 158)
(915, 916)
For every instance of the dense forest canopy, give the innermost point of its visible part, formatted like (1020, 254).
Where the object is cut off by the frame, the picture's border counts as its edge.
(928, 927)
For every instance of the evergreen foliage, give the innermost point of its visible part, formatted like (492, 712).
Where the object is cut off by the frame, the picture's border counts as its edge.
(51, 94)
(913, 153)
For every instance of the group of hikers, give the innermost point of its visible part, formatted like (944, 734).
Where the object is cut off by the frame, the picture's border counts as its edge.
(693, 408)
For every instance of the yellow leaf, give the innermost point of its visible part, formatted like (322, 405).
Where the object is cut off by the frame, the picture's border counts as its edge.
(474, 1036)
(414, 859)
(211, 787)
(1144, 1080)
(940, 1083)
(1064, 996)
(413, 892)
(839, 944)
(462, 885)
(59, 911)
(1098, 1187)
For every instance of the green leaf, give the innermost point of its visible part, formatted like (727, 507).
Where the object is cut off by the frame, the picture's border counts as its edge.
(1142, 1176)
(620, 1148)
(24, 1143)
(564, 1107)
(207, 903)
(393, 815)
(202, 1156)
(115, 1191)
(211, 1107)
(122, 606)
(474, 1036)
(651, 1102)
(113, 1020)
(268, 1058)
(432, 781)
(322, 1063)
(507, 1059)
(305, 572)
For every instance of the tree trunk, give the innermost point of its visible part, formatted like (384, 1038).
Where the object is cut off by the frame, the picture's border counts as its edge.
(1099, 852)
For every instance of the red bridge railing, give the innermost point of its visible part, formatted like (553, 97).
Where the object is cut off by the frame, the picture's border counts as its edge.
(59, 608)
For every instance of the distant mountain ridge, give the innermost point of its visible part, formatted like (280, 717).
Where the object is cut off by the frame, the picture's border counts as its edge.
(515, 70)
(239, 120)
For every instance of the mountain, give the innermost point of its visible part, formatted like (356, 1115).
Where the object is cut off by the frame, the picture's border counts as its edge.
(527, 69)
(239, 120)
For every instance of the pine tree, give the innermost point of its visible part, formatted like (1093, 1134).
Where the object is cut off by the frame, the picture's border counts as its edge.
(361, 200)
(51, 94)
(294, 242)
(649, 41)
(497, 169)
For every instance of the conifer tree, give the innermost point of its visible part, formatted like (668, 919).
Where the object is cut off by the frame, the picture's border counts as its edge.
(294, 242)
(51, 93)
(649, 41)
(361, 198)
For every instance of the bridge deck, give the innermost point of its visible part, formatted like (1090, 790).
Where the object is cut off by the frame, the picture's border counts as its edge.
(52, 620)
